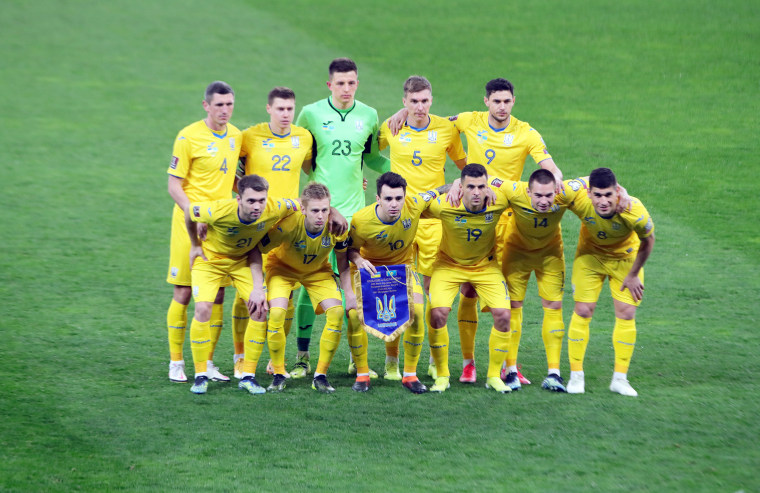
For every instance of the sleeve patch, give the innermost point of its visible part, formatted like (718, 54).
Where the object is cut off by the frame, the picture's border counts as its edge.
(174, 162)
(453, 118)
(497, 182)
(196, 211)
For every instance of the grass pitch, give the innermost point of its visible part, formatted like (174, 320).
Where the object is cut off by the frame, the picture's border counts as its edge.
(664, 93)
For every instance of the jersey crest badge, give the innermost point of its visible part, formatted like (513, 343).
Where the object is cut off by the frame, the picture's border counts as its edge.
(232, 231)
(432, 136)
(326, 243)
(212, 149)
(482, 135)
(406, 223)
(328, 126)
(267, 144)
(489, 217)
(616, 226)
(232, 143)
(359, 125)
(508, 139)
(174, 163)
(404, 137)
(260, 226)
(295, 142)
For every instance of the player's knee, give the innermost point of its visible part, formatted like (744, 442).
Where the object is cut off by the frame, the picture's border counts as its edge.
(203, 311)
(501, 318)
(335, 314)
(438, 317)
(585, 310)
(182, 294)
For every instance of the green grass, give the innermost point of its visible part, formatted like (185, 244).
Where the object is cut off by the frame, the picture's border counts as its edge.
(665, 93)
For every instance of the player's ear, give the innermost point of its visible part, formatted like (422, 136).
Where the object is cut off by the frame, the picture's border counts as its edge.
(485, 100)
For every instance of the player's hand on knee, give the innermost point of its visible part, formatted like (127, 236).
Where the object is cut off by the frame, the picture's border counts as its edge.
(196, 252)
(634, 285)
(257, 304)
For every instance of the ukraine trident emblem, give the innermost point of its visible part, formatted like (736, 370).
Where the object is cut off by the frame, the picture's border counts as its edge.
(386, 310)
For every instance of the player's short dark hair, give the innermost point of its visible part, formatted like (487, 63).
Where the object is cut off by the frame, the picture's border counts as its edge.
(314, 191)
(499, 85)
(390, 180)
(254, 182)
(602, 178)
(282, 93)
(473, 170)
(217, 87)
(416, 83)
(342, 65)
(542, 177)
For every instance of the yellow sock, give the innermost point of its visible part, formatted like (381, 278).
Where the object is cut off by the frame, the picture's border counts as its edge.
(255, 337)
(439, 345)
(289, 315)
(623, 341)
(515, 331)
(577, 340)
(330, 339)
(217, 315)
(552, 332)
(391, 348)
(176, 322)
(467, 316)
(200, 343)
(240, 319)
(357, 342)
(498, 349)
(413, 338)
(276, 339)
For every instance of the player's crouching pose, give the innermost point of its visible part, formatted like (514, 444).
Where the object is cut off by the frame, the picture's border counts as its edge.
(384, 234)
(467, 255)
(299, 249)
(614, 245)
(235, 226)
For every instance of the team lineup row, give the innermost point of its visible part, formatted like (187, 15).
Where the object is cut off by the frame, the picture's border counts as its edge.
(487, 248)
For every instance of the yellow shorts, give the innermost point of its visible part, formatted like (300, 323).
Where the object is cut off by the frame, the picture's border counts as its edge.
(429, 234)
(589, 272)
(320, 285)
(548, 264)
(209, 275)
(416, 284)
(179, 253)
(488, 281)
(502, 229)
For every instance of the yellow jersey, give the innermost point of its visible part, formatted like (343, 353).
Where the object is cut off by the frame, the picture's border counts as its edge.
(531, 230)
(227, 234)
(468, 237)
(389, 243)
(502, 152)
(615, 237)
(419, 154)
(291, 245)
(276, 158)
(206, 161)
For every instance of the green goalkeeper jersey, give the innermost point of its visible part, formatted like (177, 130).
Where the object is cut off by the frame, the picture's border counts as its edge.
(342, 140)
